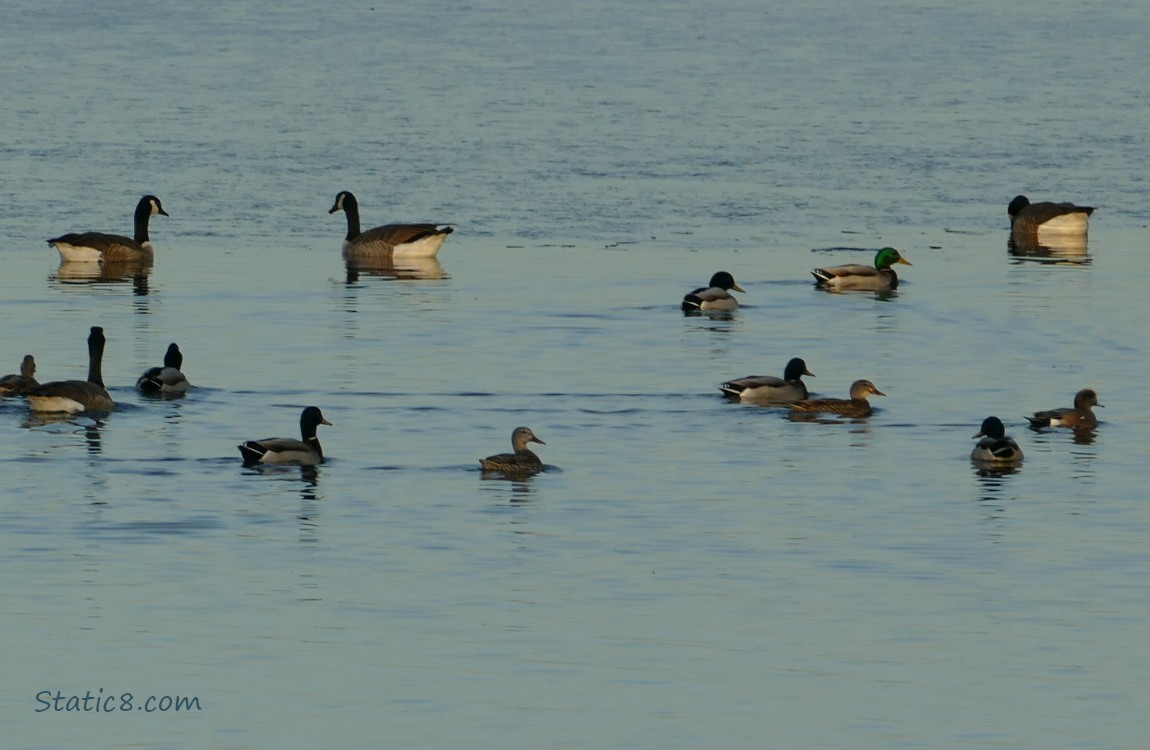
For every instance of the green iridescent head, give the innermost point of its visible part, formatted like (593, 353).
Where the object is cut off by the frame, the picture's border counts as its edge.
(887, 257)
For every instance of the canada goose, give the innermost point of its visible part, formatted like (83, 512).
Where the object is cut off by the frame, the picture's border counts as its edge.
(1081, 416)
(74, 396)
(715, 296)
(412, 240)
(522, 461)
(771, 390)
(855, 276)
(995, 447)
(14, 385)
(1029, 222)
(856, 406)
(166, 380)
(306, 452)
(93, 247)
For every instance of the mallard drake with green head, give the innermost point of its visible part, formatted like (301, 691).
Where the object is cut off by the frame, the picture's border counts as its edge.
(1079, 417)
(855, 276)
(856, 406)
(522, 461)
(278, 450)
(166, 380)
(715, 296)
(995, 447)
(767, 389)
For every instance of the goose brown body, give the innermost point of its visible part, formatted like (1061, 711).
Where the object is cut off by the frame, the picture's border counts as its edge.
(1029, 222)
(412, 240)
(112, 248)
(75, 396)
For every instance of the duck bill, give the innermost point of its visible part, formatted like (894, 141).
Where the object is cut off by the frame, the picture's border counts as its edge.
(324, 421)
(877, 392)
(737, 288)
(904, 261)
(534, 439)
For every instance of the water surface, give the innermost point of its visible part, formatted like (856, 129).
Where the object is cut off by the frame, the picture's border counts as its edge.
(688, 572)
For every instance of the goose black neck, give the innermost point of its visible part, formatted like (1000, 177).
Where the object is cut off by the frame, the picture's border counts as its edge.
(96, 343)
(143, 213)
(351, 208)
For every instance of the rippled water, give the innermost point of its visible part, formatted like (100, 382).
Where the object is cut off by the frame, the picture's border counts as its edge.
(688, 572)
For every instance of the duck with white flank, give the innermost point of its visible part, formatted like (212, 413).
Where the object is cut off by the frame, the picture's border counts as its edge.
(278, 450)
(858, 277)
(714, 296)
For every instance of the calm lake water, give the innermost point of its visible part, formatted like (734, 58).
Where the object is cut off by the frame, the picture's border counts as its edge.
(688, 572)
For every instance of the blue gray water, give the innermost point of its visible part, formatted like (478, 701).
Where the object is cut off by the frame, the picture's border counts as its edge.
(688, 572)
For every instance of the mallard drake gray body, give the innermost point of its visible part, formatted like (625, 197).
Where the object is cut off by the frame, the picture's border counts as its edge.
(522, 461)
(166, 380)
(856, 406)
(995, 447)
(1080, 416)
(74, 396)
(306, 452)
(768, 388)
(1030, 221)
(92, 247)
(714, 296)
(855, 276)
(410, 240)
(14, 385)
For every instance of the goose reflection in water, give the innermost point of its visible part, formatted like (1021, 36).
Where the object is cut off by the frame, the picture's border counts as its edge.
(1069, 250)
(400, 269)
(69, 424)
(136, 274)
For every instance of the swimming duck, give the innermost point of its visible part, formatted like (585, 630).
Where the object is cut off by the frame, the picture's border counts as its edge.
(1080, 417)
(74, 396)
(306, 452)
(995, 447)
(856, 406)
(522, 461)
(97, 247)
(411, 240)
(715, 296)
(1030, 220)
(166, 380)
(768, 388)
(856, 276)
(14, 385)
